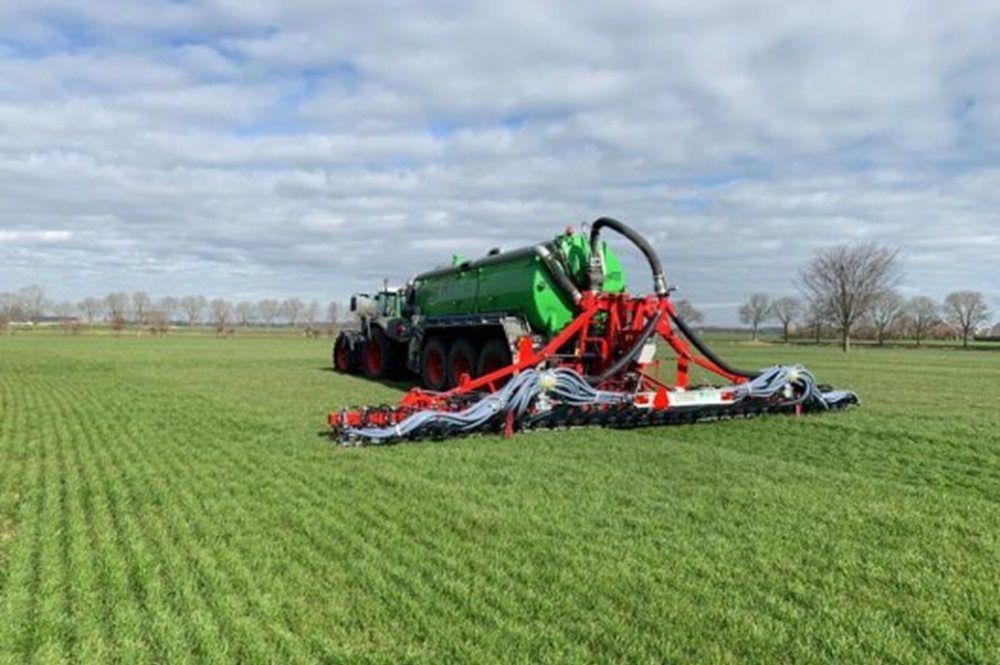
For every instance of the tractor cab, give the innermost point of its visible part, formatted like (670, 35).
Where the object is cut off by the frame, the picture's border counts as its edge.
(382, 310)
(385, 304)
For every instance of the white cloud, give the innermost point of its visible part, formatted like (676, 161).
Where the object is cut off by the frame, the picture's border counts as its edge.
(34, 236)
(313, 148)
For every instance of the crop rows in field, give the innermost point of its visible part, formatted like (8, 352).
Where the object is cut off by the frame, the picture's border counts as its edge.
(171, 501)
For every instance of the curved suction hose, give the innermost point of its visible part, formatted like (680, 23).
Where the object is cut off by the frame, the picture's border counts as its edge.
(597, 258)
(659, 286)
(620, 364)
(707, 352)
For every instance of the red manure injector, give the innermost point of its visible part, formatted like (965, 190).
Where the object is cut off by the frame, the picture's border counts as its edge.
(547, 337)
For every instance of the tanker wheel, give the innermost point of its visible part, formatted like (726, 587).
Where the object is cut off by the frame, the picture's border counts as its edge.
(495, 355)
(461, 360)
(343, 360)
(433, 363)
(377, 356)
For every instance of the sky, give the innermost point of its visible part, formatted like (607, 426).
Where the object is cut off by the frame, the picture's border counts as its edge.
(245, 149)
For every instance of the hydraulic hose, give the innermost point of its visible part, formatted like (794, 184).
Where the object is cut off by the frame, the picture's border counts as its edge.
(692, 336)
(597, 258)
(619, 364)
(557, 273)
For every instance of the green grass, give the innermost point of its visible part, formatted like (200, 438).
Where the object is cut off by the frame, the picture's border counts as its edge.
(170, 500)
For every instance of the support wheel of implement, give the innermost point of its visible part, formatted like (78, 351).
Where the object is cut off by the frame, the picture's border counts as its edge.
(494, 355)
(344, 357)
(376, 356)
(462, 359)
(434, 364)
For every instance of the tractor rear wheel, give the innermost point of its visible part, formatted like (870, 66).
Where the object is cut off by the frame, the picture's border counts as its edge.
(494, 355)
(461, 361)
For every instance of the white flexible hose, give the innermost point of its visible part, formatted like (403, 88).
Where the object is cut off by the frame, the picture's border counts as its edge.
(793, 384)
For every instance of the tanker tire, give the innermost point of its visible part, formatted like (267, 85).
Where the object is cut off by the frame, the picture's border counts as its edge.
(461, 360)
(377, 356)
(434, 364)
(494, 355)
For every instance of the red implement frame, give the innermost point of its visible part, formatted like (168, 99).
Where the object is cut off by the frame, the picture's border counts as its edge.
(607, 328)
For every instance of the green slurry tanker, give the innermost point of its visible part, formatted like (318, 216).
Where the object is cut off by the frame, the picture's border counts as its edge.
(467, 318)
(547, 336)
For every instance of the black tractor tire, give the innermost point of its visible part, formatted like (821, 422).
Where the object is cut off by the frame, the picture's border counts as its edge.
(462, 359)
(345, 355)
(434, 364)
(378, 356)
(494, 355)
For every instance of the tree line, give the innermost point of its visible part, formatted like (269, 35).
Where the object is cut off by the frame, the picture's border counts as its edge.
(851, 288)
(120, 310)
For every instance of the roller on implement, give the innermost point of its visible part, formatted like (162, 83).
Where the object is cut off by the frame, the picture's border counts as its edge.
(548, 337)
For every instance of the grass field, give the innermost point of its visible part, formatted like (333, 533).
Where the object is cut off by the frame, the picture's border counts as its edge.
(170, 500)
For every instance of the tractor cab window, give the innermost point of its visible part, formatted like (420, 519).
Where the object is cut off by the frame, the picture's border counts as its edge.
(386, 304)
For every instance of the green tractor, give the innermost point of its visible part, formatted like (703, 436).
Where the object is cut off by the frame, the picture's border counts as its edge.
(378, 348)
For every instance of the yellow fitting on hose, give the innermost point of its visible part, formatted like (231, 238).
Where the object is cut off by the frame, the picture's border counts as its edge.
(548, 380)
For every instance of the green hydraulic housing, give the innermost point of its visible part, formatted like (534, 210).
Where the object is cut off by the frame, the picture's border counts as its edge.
(537, 283)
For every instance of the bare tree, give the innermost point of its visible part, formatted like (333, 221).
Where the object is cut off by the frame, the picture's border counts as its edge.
(332, 315)
(966, 310)
(268, 310)
(311, 315)
(816, 319)
(246, 313)
(141, 304)
(193, 308)
(786, 310)
(10, 309)
(159, 322)
(168, 306)
(689, 313)
(33, 302)
(886, 310)
(91, 308)
(116, 304)
(845, 280)
(755, 311)
(221, 315)
(291, 309)
(921, 314)
(66, 313)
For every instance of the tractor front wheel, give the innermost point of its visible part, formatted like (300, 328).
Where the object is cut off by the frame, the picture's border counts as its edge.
(344, 357)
